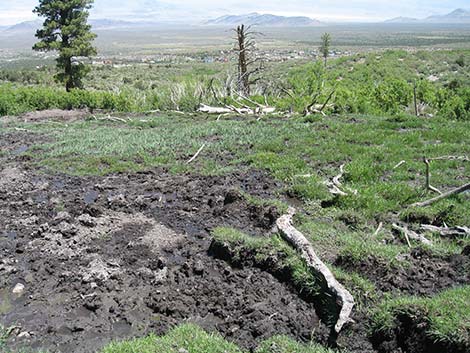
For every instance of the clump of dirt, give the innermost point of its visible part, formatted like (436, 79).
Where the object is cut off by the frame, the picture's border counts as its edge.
(425, 273)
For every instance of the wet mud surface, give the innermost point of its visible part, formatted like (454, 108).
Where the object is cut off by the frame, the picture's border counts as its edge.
(84, 261)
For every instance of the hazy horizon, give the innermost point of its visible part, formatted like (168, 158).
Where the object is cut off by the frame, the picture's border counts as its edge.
(196, 11)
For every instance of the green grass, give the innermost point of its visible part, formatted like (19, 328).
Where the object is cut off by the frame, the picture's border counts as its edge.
(192, 339)
(189, 338)
(448, 314)
(301, 155)
(262, 250)
(282, 344)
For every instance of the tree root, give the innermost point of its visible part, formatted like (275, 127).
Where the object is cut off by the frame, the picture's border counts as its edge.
(301, 244)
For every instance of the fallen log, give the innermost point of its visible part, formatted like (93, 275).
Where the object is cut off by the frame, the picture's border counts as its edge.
(301, 244)
(409, 234)
(334, 190)
(451, 158)
(231, 109)
(453, 232)
(450, 193)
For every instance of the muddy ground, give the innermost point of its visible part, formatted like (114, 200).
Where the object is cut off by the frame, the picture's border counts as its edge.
(84, 261)
(88, 260)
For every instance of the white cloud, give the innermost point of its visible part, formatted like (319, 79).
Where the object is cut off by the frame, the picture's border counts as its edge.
(192, 11)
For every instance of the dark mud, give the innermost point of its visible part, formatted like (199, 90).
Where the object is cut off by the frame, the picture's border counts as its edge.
(88, 260)
(410, 335)
(423, 274)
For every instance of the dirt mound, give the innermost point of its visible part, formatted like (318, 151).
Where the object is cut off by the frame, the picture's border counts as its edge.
(54, 115)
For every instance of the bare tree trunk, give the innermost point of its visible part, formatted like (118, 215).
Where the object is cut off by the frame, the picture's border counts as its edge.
(243, 77)
(415, 99)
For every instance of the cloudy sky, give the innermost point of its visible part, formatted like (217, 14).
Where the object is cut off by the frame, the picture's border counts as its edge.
(193, 11)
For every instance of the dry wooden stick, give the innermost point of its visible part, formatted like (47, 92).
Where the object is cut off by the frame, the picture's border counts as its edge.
(428, 177)
(196, 155)
(399, 164)
(301, 244)
(379, 228)
(450, 193)
(336, 179)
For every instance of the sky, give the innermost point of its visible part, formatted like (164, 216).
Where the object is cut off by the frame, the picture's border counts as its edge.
(195, 11)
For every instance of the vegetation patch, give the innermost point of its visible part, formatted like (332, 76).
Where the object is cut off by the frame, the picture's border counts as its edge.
(440, 321)
(192, 339)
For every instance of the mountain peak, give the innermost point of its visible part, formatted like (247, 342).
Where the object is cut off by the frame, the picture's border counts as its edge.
(266, 20)
(458, 16)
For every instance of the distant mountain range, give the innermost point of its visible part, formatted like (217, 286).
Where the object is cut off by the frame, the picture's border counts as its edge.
(459, 16)
(265, 20)
(97, 24)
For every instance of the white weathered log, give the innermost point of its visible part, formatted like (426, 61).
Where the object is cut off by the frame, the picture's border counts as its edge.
(453, 232)
(451, 158)
(214, 110)
(450, 193)
(231, 109)
(428, 177)
(409, 234)
(300, 242)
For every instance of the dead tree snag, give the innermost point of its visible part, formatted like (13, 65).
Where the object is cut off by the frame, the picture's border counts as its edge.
(245, 50)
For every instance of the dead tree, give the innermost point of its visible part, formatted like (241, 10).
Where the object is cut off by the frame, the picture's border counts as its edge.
(245, 49)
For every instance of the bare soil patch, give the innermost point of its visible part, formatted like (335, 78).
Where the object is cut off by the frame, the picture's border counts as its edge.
(88, 260)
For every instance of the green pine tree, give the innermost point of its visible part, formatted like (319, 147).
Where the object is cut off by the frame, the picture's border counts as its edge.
(67, 31)
(325, 46)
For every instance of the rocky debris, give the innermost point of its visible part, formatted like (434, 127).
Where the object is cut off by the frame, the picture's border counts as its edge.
(117, 201)
(87, 220)
(67, 230)
(63, 217)
(98, 271)
(41, 231)
(18, 289)
(24, 335)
